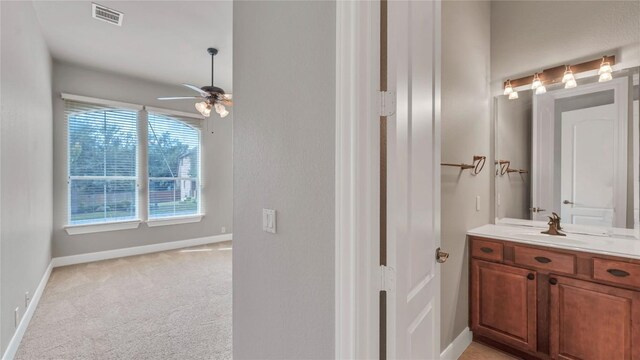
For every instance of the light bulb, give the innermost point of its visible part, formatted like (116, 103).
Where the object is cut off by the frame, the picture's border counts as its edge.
(223, 113)
(570, 84)
(605, 77)
(508, 89)
(568, 76)
(204, 108)
(218, 107)
(513, 95)
(536, 82)
(541, 90)
(605, 71)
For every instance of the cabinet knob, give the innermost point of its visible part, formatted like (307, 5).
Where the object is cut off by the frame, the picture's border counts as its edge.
(530, 276)
(553, 281)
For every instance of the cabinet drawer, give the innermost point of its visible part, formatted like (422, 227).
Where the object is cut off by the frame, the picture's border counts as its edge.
(488, 250)
(546, 260)
(617, 272)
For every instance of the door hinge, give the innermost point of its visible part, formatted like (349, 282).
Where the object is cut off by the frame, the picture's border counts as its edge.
(387, 278)
(387, 103)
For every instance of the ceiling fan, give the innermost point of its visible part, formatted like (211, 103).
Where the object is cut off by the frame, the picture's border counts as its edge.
(212, 96)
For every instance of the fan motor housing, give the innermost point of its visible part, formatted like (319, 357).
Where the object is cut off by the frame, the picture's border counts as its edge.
(212, 89)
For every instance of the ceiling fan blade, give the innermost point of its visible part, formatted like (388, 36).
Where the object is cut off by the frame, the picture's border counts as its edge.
(179, 98)
(226, 102)
(193, 87)
(227, 96)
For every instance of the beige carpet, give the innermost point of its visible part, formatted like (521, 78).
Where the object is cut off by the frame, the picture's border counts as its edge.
(168, 305)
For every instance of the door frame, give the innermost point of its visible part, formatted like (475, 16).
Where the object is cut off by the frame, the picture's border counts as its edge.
(543, 133)
(357, 161)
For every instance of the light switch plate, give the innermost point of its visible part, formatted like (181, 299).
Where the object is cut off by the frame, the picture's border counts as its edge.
(269, 220)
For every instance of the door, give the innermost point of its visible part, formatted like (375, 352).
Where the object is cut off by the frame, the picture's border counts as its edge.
(593, 321)
(413, 175)
(503, 304)
(588, 176)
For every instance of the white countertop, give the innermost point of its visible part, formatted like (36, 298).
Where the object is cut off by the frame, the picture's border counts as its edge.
(598, 244)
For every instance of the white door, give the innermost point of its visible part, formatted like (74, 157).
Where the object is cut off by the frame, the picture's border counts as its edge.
(588, 154)
(413, 311)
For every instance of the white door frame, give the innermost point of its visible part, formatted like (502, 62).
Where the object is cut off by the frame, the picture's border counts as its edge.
(544, 134)
(357, 180)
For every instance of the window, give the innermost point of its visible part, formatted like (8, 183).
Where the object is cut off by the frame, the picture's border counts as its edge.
(110, 154)
(102, 163)
(174, 167)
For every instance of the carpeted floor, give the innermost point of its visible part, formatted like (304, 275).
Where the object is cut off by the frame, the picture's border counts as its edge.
(169, 305)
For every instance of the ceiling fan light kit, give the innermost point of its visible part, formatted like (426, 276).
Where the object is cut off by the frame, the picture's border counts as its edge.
(212, 96)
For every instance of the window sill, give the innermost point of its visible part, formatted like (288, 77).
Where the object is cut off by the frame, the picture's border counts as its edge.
(94, 228)
(174, 220)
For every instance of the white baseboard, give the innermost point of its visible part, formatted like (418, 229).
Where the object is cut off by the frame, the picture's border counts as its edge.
(458, 346)
(12, 348)
(137, 250)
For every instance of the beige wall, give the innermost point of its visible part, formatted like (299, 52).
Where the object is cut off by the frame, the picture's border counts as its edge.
(26, 161)
(216, 162)
(466, 132)
(284, 139)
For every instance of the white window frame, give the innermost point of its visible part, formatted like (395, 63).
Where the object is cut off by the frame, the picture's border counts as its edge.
(172, 220)
(142, 178)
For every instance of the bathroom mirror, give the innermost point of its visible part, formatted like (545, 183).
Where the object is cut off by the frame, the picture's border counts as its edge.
(573, 151)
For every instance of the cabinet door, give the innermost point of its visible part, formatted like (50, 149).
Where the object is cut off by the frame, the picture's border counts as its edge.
(503, 304)
(593, 321)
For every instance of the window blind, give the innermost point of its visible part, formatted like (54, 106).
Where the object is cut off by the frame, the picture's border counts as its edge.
(102, 163)
(173, 165)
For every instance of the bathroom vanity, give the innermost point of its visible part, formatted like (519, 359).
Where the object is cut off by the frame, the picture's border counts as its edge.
(540, 296)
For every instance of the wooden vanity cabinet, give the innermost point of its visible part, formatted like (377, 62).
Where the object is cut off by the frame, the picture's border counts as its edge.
(593, 321)
(546, 303)
(506, 309)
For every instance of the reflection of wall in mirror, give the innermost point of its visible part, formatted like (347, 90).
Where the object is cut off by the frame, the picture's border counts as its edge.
(513, 143)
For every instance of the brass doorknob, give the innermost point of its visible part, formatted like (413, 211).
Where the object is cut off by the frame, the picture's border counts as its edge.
(441, 256)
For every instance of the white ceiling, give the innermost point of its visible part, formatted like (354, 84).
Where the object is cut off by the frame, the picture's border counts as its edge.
(164, 41)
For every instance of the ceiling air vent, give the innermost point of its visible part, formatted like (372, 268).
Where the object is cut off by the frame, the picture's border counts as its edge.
(111, 16)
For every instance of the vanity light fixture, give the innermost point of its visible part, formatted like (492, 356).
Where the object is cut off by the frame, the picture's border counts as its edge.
(536, 82)
(605, 71)
(508, 89)
(537, 85)
(568, 79)
(561, 74)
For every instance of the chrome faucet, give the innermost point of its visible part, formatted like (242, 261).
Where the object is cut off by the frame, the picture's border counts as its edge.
(554, 226)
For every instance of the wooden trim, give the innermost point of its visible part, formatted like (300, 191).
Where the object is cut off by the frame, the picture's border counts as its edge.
(554, 75)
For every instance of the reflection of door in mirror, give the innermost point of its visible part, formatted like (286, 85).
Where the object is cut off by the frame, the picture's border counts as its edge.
(580, 154)
(587, 167)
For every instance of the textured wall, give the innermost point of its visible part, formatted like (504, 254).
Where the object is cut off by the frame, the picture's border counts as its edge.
(26, 162)
(465, 132)
(284, 139)
(217, 162)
